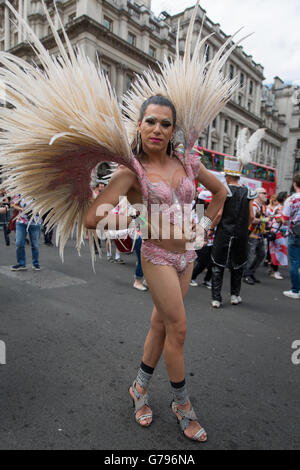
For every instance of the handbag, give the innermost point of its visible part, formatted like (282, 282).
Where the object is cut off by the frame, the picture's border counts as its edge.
(271, 236)
(295, 229)
(124, 239)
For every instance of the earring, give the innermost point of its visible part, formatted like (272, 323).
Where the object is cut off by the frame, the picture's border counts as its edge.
(170, 148)
(138, 144)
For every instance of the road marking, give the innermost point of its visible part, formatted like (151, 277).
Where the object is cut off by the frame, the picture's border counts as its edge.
(44, 279)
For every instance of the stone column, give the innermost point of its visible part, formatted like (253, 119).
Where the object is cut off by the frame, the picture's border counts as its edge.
(25, 11)
(91, 8)
(113, 76)
(6, 28)
(123, 29)
(20, 28)
(120, 80)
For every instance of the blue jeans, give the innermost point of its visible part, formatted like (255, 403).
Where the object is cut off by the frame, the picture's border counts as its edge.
(294, 257)
(137, 248)
(34, 234)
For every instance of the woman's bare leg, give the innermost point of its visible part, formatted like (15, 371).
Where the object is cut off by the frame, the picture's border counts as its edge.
(168, 324)
(155, 340)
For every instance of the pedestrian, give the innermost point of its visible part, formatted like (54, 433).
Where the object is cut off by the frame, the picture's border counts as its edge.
(5, 215)
(257, 250)
(22, 227)
(291, 217)
(139, 275)
(230, 248)
(203, 260)
(48, 234)
(278, 248)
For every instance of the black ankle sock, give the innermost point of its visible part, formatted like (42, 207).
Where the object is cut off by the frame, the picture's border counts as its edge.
(180, 392)
(147, 369)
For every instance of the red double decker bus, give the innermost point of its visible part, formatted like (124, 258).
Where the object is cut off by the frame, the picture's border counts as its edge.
(254, 174)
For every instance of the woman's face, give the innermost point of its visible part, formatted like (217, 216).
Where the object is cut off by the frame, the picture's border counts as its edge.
(156, 128)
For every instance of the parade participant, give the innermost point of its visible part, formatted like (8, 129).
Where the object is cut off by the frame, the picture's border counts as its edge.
(230, 247)
(257, 250)
(291, 217)
(203, 260)
(73, 108)
(278, 248)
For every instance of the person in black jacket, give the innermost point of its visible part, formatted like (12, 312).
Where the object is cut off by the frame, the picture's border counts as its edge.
(230, 247)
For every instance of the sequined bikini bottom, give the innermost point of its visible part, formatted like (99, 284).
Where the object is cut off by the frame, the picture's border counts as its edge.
(157, 255)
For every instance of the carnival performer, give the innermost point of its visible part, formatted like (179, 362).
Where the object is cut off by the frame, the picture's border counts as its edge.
(58, 131)
(230, 247)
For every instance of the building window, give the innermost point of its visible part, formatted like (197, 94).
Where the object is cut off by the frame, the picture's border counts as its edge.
(236, 131)
(207, 53)
(108, 23)
(242, 80)
(152, 51)
(240, 100)
(249, 106)
(129, 80)
(298, 144)
(226, 126)
(106, 69)
(231, 71)
(131, 39)
(214, 123)
(251, 88)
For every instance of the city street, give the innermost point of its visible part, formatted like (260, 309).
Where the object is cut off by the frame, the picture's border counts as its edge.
(74, 340)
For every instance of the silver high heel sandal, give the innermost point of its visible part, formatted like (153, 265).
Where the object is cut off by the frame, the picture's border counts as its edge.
(141, 400)
(186, 418)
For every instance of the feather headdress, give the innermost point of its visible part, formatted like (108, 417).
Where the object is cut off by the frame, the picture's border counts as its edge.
(246, 147)
(64, 119)
(197, 88)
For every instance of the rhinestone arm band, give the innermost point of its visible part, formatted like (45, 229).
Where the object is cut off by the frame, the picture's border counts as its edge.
(205, 223)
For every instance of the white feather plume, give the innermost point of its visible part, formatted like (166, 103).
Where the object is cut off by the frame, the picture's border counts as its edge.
(246, 146)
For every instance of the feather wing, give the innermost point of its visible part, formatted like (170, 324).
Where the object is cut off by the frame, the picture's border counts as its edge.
(63, 120)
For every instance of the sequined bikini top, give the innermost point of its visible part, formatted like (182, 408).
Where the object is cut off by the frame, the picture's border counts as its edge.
(162, 194)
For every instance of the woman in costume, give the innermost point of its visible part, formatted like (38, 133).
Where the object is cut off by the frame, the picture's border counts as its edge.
(58, 130)
(163, 179)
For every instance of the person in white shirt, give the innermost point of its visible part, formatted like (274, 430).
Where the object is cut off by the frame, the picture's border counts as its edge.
(291, 217)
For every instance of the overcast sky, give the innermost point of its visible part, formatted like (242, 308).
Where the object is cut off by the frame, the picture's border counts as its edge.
(276, 24)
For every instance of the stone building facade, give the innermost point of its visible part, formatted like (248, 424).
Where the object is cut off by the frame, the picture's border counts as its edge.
(126, 38)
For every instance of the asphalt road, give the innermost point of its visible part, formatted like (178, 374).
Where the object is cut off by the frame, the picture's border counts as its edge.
(74, 341)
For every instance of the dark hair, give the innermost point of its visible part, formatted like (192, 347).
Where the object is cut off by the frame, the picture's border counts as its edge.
(296, 180)
(158, 100)
(281, 197)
